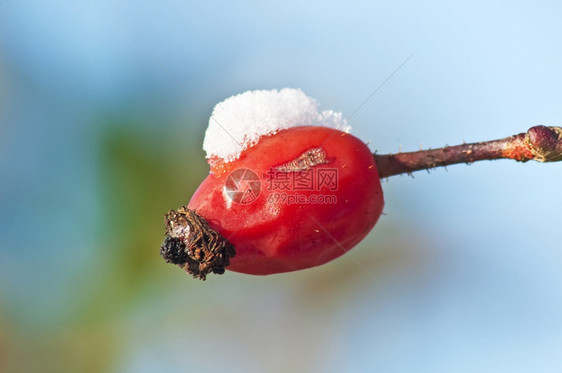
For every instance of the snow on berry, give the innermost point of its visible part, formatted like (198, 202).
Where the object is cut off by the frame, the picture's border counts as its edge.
(239, 121)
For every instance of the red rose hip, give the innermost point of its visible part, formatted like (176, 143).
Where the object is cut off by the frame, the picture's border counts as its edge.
(297, 199)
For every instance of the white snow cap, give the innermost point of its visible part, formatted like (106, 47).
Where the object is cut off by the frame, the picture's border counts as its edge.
(239, 121)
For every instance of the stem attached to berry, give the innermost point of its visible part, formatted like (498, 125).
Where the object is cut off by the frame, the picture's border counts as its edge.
(540, 143)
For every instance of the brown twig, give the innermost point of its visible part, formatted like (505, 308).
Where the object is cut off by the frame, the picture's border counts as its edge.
(540, 143)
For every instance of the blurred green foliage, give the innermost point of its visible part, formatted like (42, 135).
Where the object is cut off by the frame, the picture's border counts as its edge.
(142, 172)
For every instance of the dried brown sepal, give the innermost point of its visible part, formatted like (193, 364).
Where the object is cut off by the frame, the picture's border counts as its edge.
(193, 245)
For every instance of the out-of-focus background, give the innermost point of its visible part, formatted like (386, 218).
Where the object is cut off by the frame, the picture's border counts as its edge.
(97, 142)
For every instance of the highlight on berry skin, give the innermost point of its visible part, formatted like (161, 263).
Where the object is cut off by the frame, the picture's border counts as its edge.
(290, 188)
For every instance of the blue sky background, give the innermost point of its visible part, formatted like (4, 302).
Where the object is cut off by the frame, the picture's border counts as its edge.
(471, 252)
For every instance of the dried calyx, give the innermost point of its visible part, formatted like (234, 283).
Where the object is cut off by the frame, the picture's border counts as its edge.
(193, 245)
